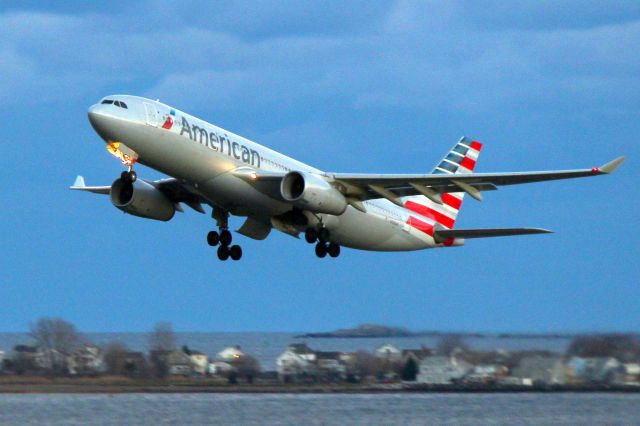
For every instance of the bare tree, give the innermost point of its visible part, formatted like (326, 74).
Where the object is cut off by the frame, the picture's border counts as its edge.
(162, 341)
(248, 368)
(162, 338)
(57, 339)
(450, 343)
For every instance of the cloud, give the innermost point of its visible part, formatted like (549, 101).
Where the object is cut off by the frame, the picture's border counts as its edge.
(419, 55)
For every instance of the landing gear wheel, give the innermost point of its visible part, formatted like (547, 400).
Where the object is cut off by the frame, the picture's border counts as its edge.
(235, 252)
(213, 238)
(223, 253)
(334, 250)
(323, 234)
(321, 250)
(225, 237)
(128, 176)
(311, 235)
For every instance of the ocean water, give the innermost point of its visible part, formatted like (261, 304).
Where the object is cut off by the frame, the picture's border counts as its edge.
(266, 347)
(289, 409)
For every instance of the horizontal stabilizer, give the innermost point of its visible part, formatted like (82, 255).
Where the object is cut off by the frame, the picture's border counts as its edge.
(443, 234)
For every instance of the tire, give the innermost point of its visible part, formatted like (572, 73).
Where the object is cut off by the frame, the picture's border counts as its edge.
(223, 253)
(225, 237)
(321, 250)
(213, 238)
(323, 234)
(334, 250)
(235, 252)
(311, 235)
(133, 176)
(124, 176)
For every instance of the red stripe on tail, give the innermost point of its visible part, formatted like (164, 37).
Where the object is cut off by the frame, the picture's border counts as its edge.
(468, 163)
(430, 213)
(451, 201)
(420, 225)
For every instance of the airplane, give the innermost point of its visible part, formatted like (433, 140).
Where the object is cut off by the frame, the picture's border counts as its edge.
(211, 166)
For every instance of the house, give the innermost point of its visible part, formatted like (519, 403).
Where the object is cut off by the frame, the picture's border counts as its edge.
(486, 373)
(593, 370)
(442, 370)
(219, 368)
(230, 354)
(388, 352)
(199, 362)
(1, 360)
(628, 374)
(297, 360)
(539, 369)
(179, 363)
(87, 359)
(332, 365)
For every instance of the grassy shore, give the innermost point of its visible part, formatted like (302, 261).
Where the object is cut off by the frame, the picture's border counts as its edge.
(42, 385)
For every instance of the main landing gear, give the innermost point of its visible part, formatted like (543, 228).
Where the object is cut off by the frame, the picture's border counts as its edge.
(323, 246)
(223, 238)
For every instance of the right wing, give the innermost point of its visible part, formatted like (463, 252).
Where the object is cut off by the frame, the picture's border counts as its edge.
(172, 188)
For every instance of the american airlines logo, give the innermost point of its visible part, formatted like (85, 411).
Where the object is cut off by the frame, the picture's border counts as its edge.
(220, 143)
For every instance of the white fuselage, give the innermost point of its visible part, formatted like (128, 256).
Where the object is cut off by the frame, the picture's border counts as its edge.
(204, 157)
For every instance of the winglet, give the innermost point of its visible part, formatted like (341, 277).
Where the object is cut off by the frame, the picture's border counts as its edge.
(611, 165)
(79, 183)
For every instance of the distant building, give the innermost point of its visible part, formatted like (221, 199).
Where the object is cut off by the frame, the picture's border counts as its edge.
(486, 373)
(593, 370)
(87, 359)
(296, 361)
(231, 353)
(541, 370)
(442, 370)
(1, 360)
(199, 362)
(179, 363)
(388, 352)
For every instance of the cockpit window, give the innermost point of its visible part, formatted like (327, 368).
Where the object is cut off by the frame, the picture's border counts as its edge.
(119, 104)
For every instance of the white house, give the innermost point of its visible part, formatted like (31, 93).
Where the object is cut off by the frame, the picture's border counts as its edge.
(388, 352)
(442, 370)
(296, 360)
(232, 353)
(199, 362)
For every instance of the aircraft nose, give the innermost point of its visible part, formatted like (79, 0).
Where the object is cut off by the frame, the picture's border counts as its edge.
(99, 119)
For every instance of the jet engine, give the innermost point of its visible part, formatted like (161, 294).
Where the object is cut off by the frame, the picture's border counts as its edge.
(141, 199)
(310, 192)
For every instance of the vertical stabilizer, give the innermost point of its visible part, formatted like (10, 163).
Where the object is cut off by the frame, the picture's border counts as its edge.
(461, 159)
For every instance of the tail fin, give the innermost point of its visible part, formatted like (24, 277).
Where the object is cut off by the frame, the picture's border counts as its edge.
(461, 159)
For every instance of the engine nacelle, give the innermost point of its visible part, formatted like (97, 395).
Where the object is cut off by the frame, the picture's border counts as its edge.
(310, 192)
(141, 199)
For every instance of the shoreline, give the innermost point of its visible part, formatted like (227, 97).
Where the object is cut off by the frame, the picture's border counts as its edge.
(57, 386)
